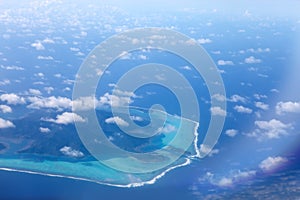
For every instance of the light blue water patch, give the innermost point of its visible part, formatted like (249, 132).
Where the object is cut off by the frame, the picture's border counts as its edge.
(89, 169)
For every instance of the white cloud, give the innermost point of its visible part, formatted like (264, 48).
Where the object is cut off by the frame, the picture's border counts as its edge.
(288, 107)
(5, 82)
(205, 149)
(231, 132)
(66, 118)
(272, 162)
(119, 98)
(6, 124)
(45, 58)
(242, 109)
(116, 120)
(38, 45)
(225, 182)
(217, 111)
(270, 129)
(204, 40)
(35, 92)
(85, 103)
(219, 97)
(228, 181)
(48, 89)
(12, 99)
(48, 41)
(5, 109)
(17, 68)
(252, 60)
(225, 62)
(262, 105)
(237, 98)
(186, 67)
(167, 129)
(49, 102)
(68, 151)
(136, 118)
(259, 50)
(44, 130)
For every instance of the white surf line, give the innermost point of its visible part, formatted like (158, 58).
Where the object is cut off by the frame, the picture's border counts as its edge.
(130, 185)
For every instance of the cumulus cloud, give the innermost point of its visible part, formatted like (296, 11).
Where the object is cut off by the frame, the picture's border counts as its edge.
(217, 111)
(225, 62)
(252, 60)
(227, 181)
(270, 129)
(45, 58)
(44, 130)
(205, 149)
(259, 50)
(12, 99)
(38, 45)
(5, 109)
(17, 68)
(219, 97)
(237, 98)
(262, 105)
(85, 103)
(231, 132)
(119, 98)
(116, 120)
(272, 162)
(186, 67)
(35, 92)
(49, 102)
(167, 129)
(242, 109)
(69, 151)
(66, 118)
(204, 40)
(287, 107)
(6, 124)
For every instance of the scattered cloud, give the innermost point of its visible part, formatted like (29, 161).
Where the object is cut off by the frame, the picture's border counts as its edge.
(271, 163)
(231, 132)
(5, 109)
(186, 67)
(136, 118)
(218, 111)
(269, 129)
(66, 118)
(13, 67)
(119, 98)
(69, 151)
(49, 102)
(252, 60)
(242, 109)
(262, 105)
(237, 98)
(45, 58)
(287, 107)
(225, 62)
(219, 97)
(206, 150)
(12, 99)
(116, 120)
(85, 103)
(44, 130)
(35, 92)
(259, 50)
(6, 124)
(38, 45)
(204, 40)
